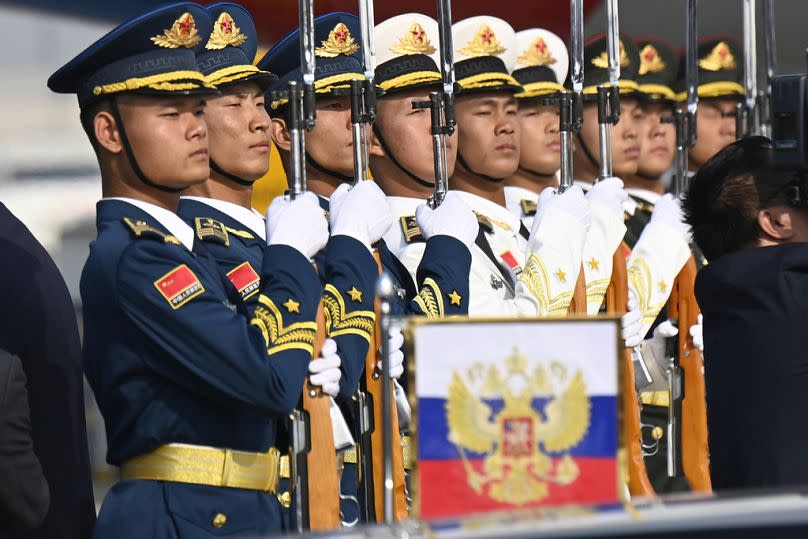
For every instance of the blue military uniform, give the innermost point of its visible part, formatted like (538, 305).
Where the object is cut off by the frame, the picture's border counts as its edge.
(190, 389)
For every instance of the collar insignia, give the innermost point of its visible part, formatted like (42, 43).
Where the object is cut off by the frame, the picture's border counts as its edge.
(538, 54)
(650, 61)
(485, 43)
(719, 59)
(414, 42)
(340, 41)
(183, 33)
(225, 33)
(602, 61)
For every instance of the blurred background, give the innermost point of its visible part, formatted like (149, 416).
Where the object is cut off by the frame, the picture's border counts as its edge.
(48, 173)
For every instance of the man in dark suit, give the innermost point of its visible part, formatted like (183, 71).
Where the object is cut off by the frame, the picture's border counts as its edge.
(754, 298)
(39, 326)
(23, 491)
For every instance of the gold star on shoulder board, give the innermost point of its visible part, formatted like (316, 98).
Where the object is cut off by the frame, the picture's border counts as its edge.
(593, 264)
(356, 295)
(455, 298)
(663, 286)
(560, 275)
(292, 306)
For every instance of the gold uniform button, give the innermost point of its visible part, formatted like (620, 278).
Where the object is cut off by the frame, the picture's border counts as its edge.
(657, 433)
(285, 499)
(219, 520)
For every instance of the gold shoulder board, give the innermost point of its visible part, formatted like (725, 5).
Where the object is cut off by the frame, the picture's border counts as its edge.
(409, 227)
(208, 229)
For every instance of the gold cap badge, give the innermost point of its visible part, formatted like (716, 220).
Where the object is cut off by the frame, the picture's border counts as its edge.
(720, 58)
(225, 33)
(650, 61)
(602, 61)
(414, 42)
(339, 42)
(182, 33)
(538, 54)
(485, 43)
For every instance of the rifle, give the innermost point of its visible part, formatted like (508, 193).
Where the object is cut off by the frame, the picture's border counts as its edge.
(687, 424)
(375, 387)
(314, 461)
(617, 291)
(570, 123)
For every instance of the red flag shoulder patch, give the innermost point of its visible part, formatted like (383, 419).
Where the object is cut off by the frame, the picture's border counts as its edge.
(245, 279)
(179, 286)
(509, 259)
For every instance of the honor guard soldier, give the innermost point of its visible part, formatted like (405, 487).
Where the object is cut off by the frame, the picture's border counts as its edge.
(720, 90)
(606, 196)
(401, 154)
(659, 244)
(443, 277)
(190, 390)
(514, 271)
(541, 68)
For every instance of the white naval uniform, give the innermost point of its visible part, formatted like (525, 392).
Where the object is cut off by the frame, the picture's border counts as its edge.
(659, 255)
(543, 273)
(603, 239)
(522, 203)
(410, 252)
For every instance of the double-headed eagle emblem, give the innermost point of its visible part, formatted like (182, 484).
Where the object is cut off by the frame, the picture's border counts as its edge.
(517, 439)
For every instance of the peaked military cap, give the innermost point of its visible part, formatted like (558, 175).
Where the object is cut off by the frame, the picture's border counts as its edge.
(596, 65)
(231, 42)
(152, 54)
(658, 70)
(407, 52)
(720, 72)
(338, 54)
(484, 49)
(542, 63)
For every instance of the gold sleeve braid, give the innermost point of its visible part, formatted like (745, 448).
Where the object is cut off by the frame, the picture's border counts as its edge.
(640, 279)
(338, 322)
(269, 319)
(596, 291)
(537, 280)
(430, 299)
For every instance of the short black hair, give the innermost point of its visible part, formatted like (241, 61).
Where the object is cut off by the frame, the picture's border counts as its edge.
(724, 198)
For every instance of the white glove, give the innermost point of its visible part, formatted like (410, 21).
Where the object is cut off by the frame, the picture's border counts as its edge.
(396, 356)
(631, 323)
(452, 218)
(609, 194)
(572, 203)
(325, 369)
(361, 212)
(668, 211)
(298, 223)
(697, 333)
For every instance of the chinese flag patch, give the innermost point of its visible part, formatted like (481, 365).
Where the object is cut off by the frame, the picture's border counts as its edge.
(245, 279)
(179, 286)
(509, 259)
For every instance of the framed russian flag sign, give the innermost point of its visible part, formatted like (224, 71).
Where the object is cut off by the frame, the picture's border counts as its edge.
(514, 414)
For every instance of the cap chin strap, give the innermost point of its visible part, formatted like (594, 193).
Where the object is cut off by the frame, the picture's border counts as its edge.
(232, 177)
(536, 173)
(587, 152)
(396, 162)
(130, 154)
(483, 176)
(327, 171)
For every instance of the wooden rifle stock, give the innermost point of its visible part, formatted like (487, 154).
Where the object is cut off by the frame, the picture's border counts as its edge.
(578, 302)
(682, 307)
(322, 483)
(617, 303)
(374, 385)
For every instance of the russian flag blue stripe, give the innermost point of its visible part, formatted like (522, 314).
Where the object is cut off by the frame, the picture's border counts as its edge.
(433, 436)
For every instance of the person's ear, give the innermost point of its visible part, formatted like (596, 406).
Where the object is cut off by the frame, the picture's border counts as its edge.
(777, 222)
(107, 133)
(280, 134)
(375, 147)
